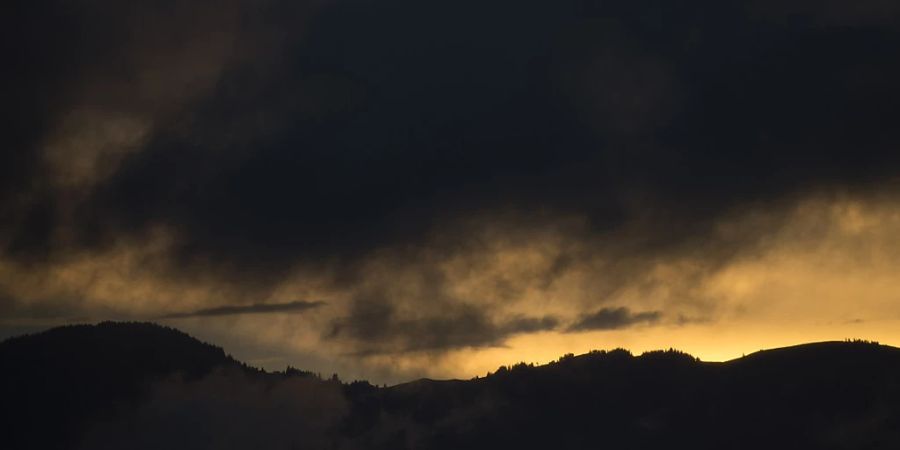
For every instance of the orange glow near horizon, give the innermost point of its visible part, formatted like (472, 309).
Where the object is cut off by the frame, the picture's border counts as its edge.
(821, 269)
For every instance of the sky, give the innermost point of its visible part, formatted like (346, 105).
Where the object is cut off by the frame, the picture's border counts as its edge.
(394, 189)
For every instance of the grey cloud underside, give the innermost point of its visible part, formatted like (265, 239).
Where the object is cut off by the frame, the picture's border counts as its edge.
(613, 319)
(258, 308)
(376, 328)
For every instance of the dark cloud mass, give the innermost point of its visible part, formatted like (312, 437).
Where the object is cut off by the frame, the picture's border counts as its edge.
(231, 144)
(376, 327)
(613, 319)
(257, 308)
(368, 121)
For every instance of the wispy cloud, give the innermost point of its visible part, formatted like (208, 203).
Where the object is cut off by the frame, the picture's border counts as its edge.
(256, 308)
(612, 319)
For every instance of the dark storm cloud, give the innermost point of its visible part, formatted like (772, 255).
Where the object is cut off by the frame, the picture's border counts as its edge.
(830, 12)
(376, 327)
(613, 319)
(373, 120)
(257, 308)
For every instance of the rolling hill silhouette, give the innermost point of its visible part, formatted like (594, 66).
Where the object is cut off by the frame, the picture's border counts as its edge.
(56, 382)
(117, 385)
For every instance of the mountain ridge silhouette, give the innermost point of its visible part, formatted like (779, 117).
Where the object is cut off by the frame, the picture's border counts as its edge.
(69, 382)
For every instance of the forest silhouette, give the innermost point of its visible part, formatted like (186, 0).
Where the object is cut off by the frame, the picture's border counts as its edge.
(140, 385)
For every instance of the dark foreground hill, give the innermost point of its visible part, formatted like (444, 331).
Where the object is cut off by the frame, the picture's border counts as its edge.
(144, 386)
(54, 384)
